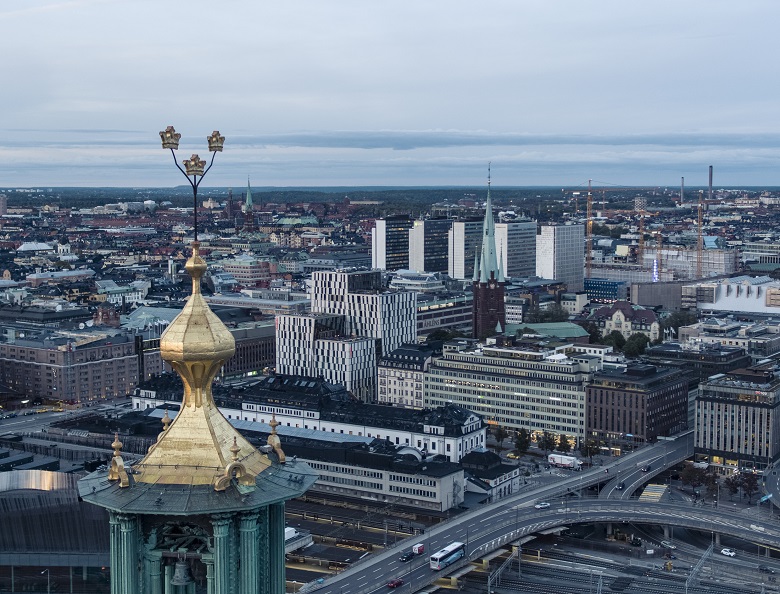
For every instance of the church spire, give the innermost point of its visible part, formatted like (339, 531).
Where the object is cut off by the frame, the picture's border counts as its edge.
(488, 261)
(248, 205)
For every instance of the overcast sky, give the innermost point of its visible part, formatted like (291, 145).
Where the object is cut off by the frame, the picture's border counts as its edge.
(408, 92)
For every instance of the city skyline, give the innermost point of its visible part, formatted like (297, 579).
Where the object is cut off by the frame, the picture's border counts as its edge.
(396, 95)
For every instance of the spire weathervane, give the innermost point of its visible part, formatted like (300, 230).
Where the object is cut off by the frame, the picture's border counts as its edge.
(193, 166)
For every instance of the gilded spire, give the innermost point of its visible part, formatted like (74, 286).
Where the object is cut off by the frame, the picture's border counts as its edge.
(200, 446)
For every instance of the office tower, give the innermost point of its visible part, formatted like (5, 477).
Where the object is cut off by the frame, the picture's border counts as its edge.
(428, 245)
(464, 240)
(390, 243)
(3, 205)
(203, 501)
(516, 245)
(488, 312)
(560, 254)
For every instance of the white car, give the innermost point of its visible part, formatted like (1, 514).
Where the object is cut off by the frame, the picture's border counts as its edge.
(728, 552)
(542, 505)
(668, 544)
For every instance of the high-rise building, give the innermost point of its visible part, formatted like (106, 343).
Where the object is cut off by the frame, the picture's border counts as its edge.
(516, 245)
(463, 241)
(203, 511)
(353, 322)
(428, 245)
(488, 313)
(390, 243)
(370, 311)
(560, 254)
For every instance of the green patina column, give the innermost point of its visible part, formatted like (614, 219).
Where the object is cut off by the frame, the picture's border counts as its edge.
(128, 534)
(248, 580)
(264, 546)
(116, 564)
(208, 561)
(153, 564)
(276, 554)
(222, 570)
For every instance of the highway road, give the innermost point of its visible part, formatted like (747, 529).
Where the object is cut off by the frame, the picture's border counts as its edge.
(488, 528)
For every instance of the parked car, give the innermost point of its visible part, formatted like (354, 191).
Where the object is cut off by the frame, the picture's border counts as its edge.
(396, 583)
(542, 505)
(668, 544)
(728, 552)
(408, 556)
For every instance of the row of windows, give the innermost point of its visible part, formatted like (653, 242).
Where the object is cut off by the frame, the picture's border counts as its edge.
(415, 492)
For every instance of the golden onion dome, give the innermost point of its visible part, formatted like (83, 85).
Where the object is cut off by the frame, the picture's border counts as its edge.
(196, 334)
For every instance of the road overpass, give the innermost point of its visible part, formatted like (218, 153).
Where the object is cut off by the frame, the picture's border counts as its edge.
(490, 527)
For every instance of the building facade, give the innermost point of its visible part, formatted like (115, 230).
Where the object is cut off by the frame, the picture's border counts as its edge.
(402, 375)
(428, 245)
(390, 243)
(464, 241)
(516, 247)
(738, 419)
(535, 385)
(627, 408)
(560, 254)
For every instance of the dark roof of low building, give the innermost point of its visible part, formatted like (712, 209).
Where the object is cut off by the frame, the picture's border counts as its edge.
(634, 313)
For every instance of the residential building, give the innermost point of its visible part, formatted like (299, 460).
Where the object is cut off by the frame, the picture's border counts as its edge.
(402, 374)
(632, 406)
(560, 253)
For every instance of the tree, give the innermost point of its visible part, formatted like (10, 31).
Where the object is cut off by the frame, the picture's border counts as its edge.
(711, 482)
(677, 319)
(615, 340)
(547, 442)
(594, 333)
(500, 434)
(522, 441)
(563, 444)
(692, 476)
(733, 483)
(635, 345)
(589, 449)
(749, 484)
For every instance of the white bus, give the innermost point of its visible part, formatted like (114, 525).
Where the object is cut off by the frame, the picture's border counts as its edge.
(448, 555)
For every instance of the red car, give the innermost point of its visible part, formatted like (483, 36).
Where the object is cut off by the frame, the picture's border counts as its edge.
(396, 583)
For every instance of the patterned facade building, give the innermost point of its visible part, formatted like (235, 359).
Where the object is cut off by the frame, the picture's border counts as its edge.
(353, 322)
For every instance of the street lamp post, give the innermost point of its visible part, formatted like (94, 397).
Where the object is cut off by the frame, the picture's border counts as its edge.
(48, 580)
(194, 166)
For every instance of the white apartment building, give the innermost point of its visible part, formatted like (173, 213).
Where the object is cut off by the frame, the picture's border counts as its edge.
(516, 247)
(463, 242)
(560, 254)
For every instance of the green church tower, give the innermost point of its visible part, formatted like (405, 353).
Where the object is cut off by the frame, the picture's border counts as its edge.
(203, 511)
